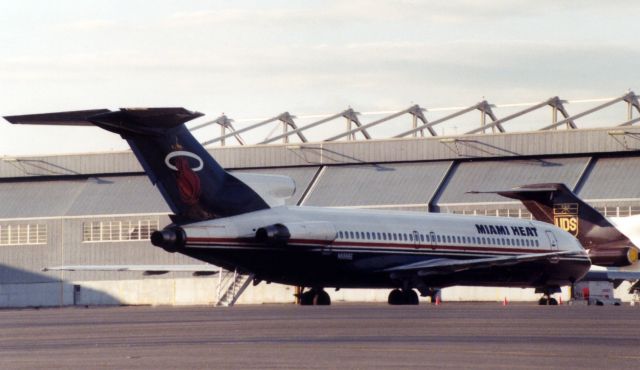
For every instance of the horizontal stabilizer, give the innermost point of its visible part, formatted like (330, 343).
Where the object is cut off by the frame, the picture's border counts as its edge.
(140, 121)
(72, 118)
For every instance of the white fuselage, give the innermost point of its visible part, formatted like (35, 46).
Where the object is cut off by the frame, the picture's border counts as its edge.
(355, 230)
(355, 248)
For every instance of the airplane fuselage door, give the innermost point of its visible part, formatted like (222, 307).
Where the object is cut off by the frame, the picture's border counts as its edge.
(416, 239)
(553, 242)
(432, 240)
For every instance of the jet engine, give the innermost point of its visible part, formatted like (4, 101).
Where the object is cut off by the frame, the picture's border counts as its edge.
(171, 239)
(618, 257)
(321, 232)
(273, 234)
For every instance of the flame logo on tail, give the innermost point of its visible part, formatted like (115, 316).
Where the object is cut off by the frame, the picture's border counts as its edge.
(187, 179)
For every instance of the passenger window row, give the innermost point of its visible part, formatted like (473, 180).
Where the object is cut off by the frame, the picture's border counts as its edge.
(436, 238)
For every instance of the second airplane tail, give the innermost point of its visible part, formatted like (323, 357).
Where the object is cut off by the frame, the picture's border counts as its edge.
(554, 203)
(193, 184)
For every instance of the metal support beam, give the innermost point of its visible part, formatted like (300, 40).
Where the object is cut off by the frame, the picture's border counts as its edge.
(629, 95)
(287, 121)
(555, 103)
(349, 114)
(352, 117)
(632, 101)
(225, 123)
(417, 113)
(352, 136)
(248, 128)
(630, 122)
(374, 123)
(198, 127)
(419, 121)
(431, 124)
(485, 110)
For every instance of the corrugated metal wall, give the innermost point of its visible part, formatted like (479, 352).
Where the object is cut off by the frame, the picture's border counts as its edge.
(118, 195)
(613, 178)
(500, 175)
(69, 197)
(378, 184)
(38, 198)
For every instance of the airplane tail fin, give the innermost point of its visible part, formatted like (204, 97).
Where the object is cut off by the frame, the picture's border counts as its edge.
(193, 184)
(554, 203)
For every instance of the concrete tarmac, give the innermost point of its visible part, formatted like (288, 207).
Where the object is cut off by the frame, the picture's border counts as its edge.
(352, 336)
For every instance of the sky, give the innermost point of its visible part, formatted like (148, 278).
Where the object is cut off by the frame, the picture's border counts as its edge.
(256, 59)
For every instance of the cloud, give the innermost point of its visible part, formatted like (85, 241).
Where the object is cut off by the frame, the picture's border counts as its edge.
(308, 56)
(355, 11)
(241, 15)
(88, 25)
(484, 64)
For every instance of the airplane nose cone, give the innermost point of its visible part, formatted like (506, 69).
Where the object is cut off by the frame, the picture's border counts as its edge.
(170, 239)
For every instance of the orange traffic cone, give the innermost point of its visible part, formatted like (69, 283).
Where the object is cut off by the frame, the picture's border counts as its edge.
(438, 300)
(505, 301)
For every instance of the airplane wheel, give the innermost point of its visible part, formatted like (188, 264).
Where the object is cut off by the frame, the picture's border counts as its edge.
(306, 298)
(395, 297)
(543, 301)
(553, 302)
(321, 298)
(410, 297)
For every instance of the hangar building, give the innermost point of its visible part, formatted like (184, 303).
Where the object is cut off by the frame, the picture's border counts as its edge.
(99, 208)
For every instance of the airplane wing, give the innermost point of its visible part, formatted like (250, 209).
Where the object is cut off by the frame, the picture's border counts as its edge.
(197, 270)
(611, 275)
(448, 265)
(616, 277)
(623, 275)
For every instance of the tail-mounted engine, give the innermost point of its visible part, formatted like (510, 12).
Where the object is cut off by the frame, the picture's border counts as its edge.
(273, 234)
(171, 239)
(617, 257)
(282, 234)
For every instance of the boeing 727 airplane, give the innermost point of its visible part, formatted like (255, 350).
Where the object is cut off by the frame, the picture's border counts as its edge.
(220, 220)
(609, 242)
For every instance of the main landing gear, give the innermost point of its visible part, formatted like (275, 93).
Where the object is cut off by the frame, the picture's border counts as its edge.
(315, 297)
(403, 297)
(547, 299)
